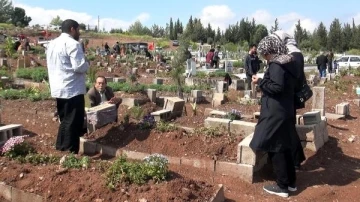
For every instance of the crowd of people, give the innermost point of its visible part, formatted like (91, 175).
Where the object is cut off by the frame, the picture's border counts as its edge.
(275, 131)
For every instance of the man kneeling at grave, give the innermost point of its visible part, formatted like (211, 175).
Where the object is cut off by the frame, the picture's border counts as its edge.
(101, 93)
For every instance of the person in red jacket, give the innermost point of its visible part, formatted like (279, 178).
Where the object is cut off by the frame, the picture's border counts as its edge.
(209, 57)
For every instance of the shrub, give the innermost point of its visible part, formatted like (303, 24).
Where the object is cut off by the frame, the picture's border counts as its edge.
(72, 162)
(37, 74)
(238, 64)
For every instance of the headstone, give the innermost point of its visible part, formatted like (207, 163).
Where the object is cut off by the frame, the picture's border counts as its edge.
(150, 71)
(100, 115)
(98, 64)
(119, 80)
(151, 94)
(175, 105)
(161, 115)
(218, 99)
(248, 93)
(189, 81)
(318, 101)
(343, 109)
(196, 93)
(3, 62)
(110, 69)
(238, 84)
(310, 118)
(192, 69)
(253, 89)
(221, 86)
(134, 70)
(229, 66)
(109, 79)
(20, 63)
(158, 81)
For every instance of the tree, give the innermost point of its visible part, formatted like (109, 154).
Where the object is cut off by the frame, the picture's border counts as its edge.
(82, 26)
(172, 37)
(6, 10)
(275, 27)
(321, 35)
(334, 42)
(299, 33)
(346, 34)
(218, 35)
(189, 28)
(120, 31)
(56, 21)
(19, 18)
(136, 28)
(260, 33)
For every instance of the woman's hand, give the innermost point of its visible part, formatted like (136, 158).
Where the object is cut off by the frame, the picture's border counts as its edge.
(255, 79)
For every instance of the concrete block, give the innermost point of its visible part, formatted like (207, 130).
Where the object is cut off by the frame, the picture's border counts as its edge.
(313, 135)
(218, 96)
(196, 93)
(238, 84)
(150, 71)
(310, 118)
(248, 93)
(87, 147)
(299, 119)
(163, 114)
(3, 62)
(217, 123)
(343, 109)
(158, 81)
(199, 163)
(256, 115)
(119, 80)
(5, 191)
(357, 102)
(109, 79)
(21, 196)
(242, 171)
(98, 64)
(221, 86)
(110, 69)
(151, 93)
(134, 70)
(219, 195)
(101, 115)
(135, 155)
(318, 99)
(216, 103)
(175, 105)
(246, 155)
(174, 160)
(242, 127)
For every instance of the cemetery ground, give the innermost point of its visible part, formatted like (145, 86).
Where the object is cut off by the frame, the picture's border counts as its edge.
(330, 174)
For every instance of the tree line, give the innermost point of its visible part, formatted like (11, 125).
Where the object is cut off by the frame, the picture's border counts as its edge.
(340, 37)
(14, 15)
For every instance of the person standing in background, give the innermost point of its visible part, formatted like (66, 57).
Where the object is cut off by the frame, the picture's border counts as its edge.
(321, 62)
(252, 65)
(67, 68)
(330, 62)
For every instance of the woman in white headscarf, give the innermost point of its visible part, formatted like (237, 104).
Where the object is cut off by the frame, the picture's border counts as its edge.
(274, 130)
(291, 45)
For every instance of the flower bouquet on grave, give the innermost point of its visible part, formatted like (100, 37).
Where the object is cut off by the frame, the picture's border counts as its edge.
(147, 122)
(14, 144)
(234, 115)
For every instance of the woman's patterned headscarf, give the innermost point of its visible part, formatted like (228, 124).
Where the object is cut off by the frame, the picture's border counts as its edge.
(271, 45)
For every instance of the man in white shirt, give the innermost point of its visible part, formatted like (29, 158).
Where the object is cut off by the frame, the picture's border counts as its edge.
(67, 68)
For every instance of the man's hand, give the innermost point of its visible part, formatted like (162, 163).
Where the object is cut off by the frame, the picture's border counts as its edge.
(114, 100)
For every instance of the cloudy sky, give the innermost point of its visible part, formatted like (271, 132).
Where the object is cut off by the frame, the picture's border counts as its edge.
(220, 13)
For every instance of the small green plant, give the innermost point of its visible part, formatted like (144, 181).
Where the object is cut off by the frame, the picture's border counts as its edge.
(136, 112)
(9, 47)
(344, 72)
(209, 132)
(162, 126)
(37, 74)
(91, 57)
(152, 167)
(194, 108)
(92, 75)
(72, 162)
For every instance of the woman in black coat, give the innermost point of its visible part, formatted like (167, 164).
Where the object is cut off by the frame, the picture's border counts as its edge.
(275, 128)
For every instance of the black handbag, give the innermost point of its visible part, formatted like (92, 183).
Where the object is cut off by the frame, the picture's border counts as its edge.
(303, 95)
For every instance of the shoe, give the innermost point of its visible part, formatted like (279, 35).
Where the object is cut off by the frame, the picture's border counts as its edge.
(276, 190)
(292, 188)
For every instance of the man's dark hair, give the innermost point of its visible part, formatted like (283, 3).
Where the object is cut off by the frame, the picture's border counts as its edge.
(66, 25)
(252, 45)
(103, 77)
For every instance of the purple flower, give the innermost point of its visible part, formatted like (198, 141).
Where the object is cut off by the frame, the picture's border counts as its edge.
(10, 143)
